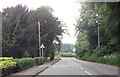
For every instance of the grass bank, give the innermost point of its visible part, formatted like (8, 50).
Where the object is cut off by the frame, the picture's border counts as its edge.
(111, 59)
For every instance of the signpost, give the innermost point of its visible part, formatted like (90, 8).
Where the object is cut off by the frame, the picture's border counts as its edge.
(42, 46)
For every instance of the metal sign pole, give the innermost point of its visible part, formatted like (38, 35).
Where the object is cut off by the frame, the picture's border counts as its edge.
(42, 46)
(42, 52)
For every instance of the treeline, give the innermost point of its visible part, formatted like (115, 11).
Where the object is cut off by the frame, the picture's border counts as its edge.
(66, 47)
(20, 31)
(98, 28)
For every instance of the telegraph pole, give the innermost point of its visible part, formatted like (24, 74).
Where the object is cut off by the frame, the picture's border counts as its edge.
(98, 36)
(97, 26)
(39, 39)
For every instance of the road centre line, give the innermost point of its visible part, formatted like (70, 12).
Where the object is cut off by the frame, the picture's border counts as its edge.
(81, 68)
(88, 73)
(84, 70)
(78, 66)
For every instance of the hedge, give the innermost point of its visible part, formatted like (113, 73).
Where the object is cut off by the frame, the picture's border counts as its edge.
(68, 54)
(9, 65)
(25, 63)
(7, 62)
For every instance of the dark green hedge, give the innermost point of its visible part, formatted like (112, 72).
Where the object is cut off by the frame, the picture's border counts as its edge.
(25, 63)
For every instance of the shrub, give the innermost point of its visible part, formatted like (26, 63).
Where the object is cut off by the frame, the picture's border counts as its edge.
(38, 60)
(7, 65)
(52, 55)
(82, 52)
(25, 63)
(6, 58)
(10, 65)
(102, 50)
(68, 54)
(7, 62)
(112, 59)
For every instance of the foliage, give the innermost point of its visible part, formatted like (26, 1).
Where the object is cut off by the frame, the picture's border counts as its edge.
(102, 50)
(6, 58)
(20, 30)
(67, 54)
(9, 65)
(81, 53)
(7, 62)
(38, 60)
(111, 59)
(25, 63)
(99, 14)
(52, 53)
(66, 47)
(104, 16)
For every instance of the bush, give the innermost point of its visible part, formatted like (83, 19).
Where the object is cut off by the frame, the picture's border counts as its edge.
(102, 50)
(6, 58)
(38, 60)
(10, 65)
(81, 53)
(25, 63)
(45, 59)
(7, 65)
(52, 55)
(112, 59)
(7, 62)
(68, 54)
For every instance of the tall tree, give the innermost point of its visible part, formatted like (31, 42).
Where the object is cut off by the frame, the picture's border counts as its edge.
(20, 30)
(104, 15)
(14, 27)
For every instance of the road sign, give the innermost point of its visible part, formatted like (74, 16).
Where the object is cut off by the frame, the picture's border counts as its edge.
(42, 46)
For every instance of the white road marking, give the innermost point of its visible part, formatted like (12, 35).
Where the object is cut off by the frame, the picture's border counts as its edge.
(88, 73)
(81, 68)
(78, 66)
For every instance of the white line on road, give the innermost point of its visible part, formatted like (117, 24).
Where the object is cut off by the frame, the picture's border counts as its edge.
(88, 73)
(81, 68)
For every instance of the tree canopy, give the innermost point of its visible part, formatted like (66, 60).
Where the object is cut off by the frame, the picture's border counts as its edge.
(20, 30)
(104, 15)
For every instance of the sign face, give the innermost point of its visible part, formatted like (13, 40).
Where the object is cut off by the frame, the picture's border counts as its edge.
(42, 46)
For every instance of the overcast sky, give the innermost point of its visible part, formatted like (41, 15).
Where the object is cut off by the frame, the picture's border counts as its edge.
(66, 10)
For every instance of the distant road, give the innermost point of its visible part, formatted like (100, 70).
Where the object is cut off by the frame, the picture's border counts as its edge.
(72, 66)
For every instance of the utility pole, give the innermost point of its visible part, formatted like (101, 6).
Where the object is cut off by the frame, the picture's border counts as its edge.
(39, 39)
(98, 36)
(98, 28)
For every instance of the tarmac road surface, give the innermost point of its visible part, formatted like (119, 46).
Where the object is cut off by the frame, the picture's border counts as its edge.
(72, 66)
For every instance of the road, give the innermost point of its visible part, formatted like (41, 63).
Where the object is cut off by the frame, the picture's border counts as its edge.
(72, 66)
